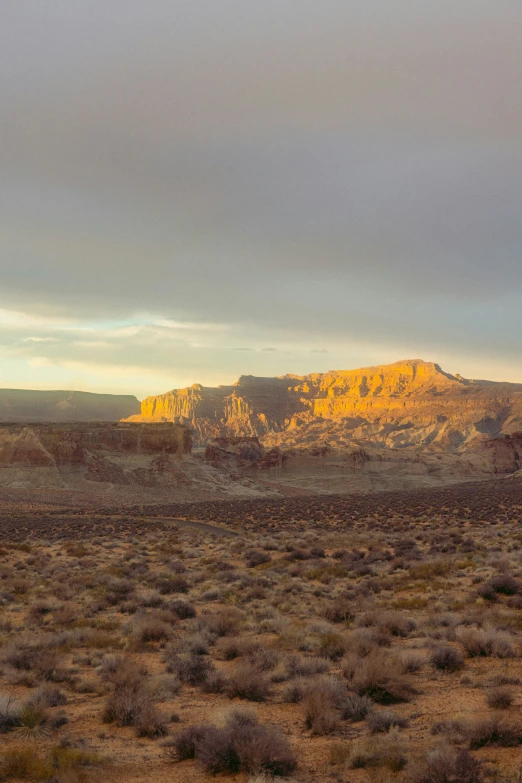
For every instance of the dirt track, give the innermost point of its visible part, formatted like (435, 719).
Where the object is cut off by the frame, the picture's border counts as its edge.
(204, 527)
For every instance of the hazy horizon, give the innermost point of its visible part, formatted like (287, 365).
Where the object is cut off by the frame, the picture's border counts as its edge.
(195, 191)
(232, 382)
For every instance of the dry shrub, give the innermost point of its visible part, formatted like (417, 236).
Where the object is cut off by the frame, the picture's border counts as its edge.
(131, 703)
(389, 751)
(229, 649)
(494, 731)
(380, 677)
(191, 669)
(263, 659)
(411, 661)
(177, 567)
(225, 622)
(380, 722)
(48, 695)
(150, 628)
(23, 764)
(148, 721)
(59, 764)
(182, 609)
(247, 682)
(350, 664)
(447, 659)
(486, 642)
(294, 692)
(165, 686)
(339, 611)
(500, 698)
(331, 646)
(323, 701)
(183, 745)
(242, 745)
(301, 666)
(321, 715)
(195, 643)
(355, 708)
(487, 592)
(365, 640)
(216, 682)
(393, 623)
(33, 656)
(446, 765)
(505, 584)
(455, 730)
(38, 611)
(9, 712)
(118, 590)
(166, 584)
(255, 558)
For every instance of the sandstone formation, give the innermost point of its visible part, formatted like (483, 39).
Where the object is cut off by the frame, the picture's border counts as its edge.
(25, 462)
(108, 452)
(73, 443)
(24, 405)
(244, 454)
(242, 451)
(101, 457)
(411, 403)
(401, 425)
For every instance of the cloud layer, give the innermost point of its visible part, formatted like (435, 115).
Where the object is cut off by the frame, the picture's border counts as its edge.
(341, 176)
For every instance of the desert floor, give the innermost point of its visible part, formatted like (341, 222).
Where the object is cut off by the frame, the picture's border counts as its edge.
(373, 637)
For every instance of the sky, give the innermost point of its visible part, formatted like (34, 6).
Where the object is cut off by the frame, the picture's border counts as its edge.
(191, 191)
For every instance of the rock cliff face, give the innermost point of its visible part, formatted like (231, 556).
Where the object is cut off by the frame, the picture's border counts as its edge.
(24, 405)
(407, 404)
(237, 451)
(72, 444)
(116, 453)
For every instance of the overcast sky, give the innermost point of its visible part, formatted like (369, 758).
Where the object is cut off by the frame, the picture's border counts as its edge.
(195, 189)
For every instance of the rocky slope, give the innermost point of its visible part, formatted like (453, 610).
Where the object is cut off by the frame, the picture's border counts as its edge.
(410, 403)
(403, 425)
(38, 455)
(397, 426)
(96, 458)
(24, 405)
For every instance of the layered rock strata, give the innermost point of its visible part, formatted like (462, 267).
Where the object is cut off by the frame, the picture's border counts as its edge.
(407, 404)
(115, 453)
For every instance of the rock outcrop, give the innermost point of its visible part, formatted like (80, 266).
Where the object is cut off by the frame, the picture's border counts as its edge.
(241, 451)
(395, 426)
(26, 406)
(132, 460)
(244, 454)
(407, 404)
(116, 453)
(71, 444)
(25, 462)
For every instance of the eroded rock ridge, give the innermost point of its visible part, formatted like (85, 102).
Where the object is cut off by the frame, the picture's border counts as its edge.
(406, 404)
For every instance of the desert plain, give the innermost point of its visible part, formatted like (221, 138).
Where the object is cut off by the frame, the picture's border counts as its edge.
(170, 613)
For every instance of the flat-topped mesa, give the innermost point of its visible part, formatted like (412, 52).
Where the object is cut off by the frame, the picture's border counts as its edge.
(407, 403)
(27, 406)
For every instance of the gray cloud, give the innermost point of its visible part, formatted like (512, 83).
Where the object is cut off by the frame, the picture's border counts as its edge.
(337, 171)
